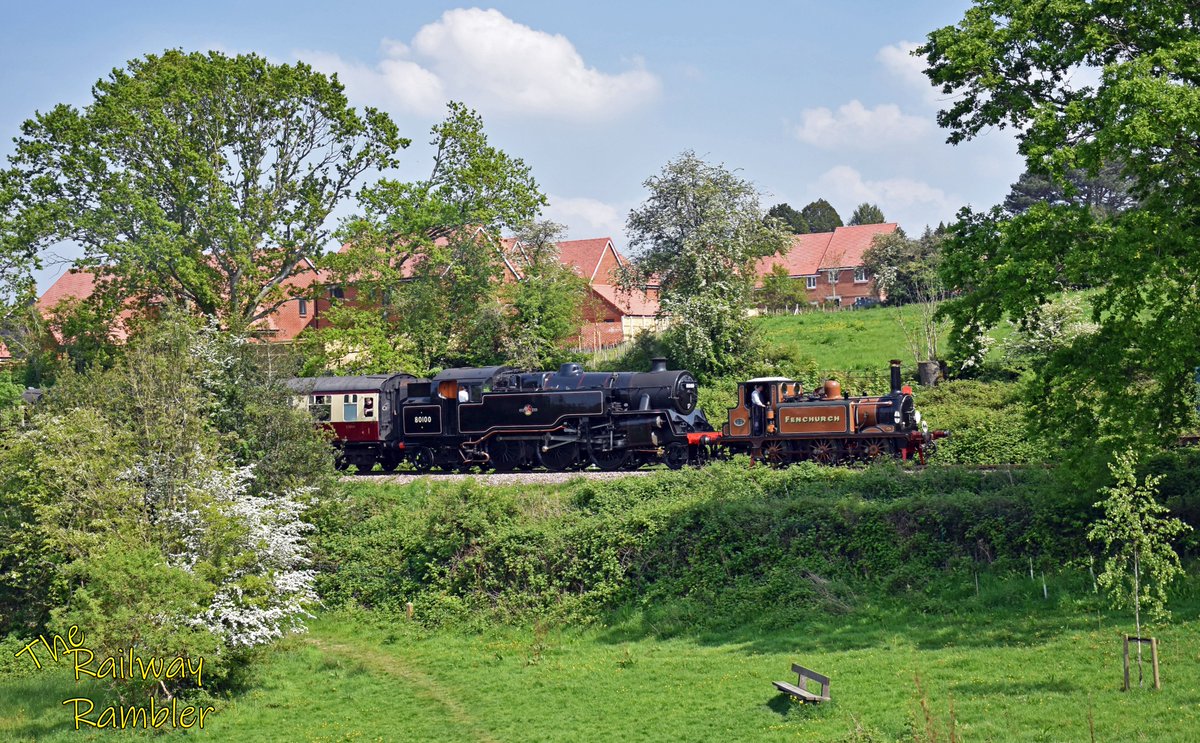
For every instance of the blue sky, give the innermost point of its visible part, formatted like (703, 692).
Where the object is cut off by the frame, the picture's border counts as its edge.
(805, 99)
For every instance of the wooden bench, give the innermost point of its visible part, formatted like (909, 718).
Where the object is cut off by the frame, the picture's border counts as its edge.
(800, 690)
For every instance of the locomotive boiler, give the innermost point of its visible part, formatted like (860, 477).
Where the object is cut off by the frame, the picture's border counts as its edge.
(562, 420)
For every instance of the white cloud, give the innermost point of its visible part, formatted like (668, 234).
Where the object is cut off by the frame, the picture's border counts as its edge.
(487, 59)
(898, 59)
(856, 126)
(393, 82)
(585, 217)
(910, 202)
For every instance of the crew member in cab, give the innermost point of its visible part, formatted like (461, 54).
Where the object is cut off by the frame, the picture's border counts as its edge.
(758, 410)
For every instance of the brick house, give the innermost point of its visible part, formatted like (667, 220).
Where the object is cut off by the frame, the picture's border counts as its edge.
(831, 263)
(610, 316)
(286, 322)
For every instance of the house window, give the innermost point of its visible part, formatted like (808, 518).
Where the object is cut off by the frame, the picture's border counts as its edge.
(336, 292)
(860, 275)
(833, 277)
(303, 308)
(810, 282)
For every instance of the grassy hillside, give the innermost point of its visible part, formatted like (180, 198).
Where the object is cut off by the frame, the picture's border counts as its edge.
(851, 340)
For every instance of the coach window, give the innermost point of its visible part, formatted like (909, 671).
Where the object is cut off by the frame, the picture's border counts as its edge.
(368, 407)
(320, 407)
(349, 408)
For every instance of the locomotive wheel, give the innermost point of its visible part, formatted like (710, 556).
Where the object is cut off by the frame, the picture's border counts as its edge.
(423, 459)
(676, 455)
(774, 453)
(560, 458)
(506, 455)
(340, 462)
(825, 451)
(873, 449)
(610, 461)
(389, 464)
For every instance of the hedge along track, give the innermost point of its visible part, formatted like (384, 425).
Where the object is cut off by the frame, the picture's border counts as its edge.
(550, 478)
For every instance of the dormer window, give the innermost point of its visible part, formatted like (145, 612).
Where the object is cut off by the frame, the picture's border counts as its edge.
(303, 308)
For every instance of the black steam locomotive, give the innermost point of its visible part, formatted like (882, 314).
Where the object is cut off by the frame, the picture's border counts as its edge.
(508, 419)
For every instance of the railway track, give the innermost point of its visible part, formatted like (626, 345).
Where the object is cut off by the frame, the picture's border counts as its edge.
(498, 478)
(542, 477)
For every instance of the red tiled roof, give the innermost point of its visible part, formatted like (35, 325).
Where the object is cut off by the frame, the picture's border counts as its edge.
(79, 284)
(76, 283)
(847, 245)
(817, 251)
(631, 303)
(5, 354)
(803, 258)
(585, 255)
(285, 322)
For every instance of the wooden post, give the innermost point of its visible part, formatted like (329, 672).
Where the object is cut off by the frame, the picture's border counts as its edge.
(1125, 656)
(408, 610)
(1154, 662)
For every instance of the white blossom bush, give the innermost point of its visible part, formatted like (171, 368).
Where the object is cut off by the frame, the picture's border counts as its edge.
(255, 546)
(1054, 325)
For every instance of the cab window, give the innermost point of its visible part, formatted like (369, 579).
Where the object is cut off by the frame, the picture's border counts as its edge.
(349, 408)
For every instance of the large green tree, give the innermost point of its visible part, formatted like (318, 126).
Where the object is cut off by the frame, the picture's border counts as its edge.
(1107, 192)
(867, 213)
(700, 233)
(821, 216)
(200, 178)
(545, 307)
(426, 255)
(793, 219)
(1017, 64)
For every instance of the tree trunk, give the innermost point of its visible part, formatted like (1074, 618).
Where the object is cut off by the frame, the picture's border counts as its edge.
(927, 372)
(1137, 611)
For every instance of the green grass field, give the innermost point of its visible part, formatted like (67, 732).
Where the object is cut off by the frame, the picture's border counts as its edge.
(855, 339)
(1011, 665)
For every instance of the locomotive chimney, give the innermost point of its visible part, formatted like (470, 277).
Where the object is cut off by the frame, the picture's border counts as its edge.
(895, 376)
(658, 364)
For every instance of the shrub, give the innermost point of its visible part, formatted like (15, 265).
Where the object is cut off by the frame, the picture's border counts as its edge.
(150, 505)
(719, 546)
